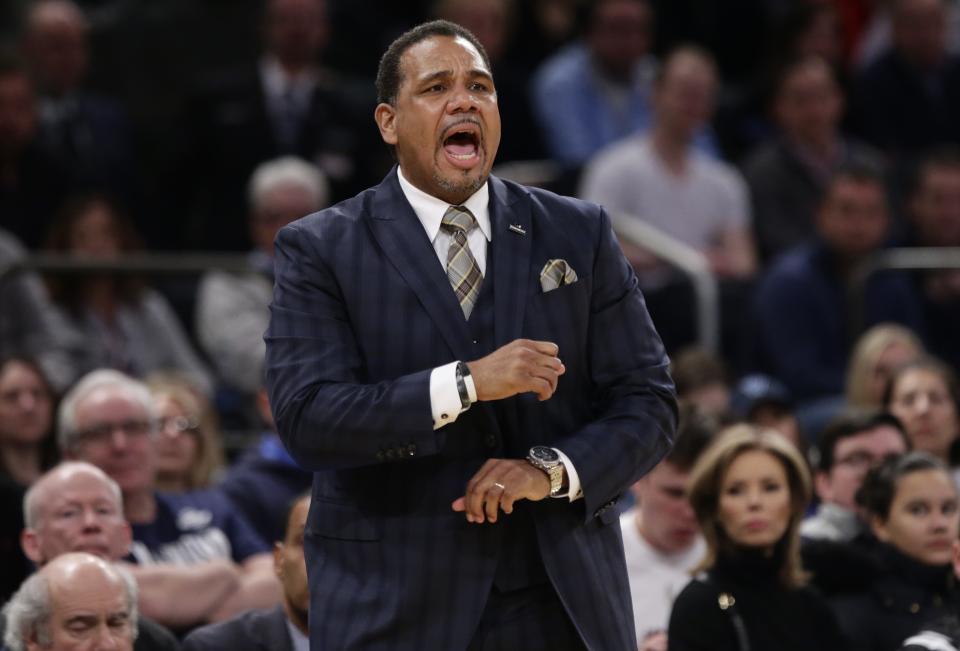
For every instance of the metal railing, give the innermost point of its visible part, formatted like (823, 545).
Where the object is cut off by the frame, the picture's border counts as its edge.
(682, 257)
(898, 259)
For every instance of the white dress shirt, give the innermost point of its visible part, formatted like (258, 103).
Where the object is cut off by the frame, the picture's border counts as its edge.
(445, 402)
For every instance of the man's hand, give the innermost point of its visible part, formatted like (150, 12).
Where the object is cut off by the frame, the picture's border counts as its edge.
(497, 485)
(521, 366)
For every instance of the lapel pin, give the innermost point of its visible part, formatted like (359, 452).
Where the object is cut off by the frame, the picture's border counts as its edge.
(516, 229)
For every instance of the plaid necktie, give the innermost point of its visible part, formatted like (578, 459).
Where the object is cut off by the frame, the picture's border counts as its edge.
(462, 269)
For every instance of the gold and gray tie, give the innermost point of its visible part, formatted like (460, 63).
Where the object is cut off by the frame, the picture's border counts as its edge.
(462, 269)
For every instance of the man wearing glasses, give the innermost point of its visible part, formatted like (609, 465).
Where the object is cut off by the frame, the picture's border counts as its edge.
(108, 419)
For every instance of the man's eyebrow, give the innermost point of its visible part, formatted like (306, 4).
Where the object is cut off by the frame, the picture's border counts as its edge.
(82, 619)
(443, 74)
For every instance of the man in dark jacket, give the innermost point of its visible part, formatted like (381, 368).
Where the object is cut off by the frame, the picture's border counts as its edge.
(283, 628)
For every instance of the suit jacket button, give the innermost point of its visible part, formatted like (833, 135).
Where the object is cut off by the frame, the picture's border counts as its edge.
(490, 440)
(391, 453)
(411, 450)
(380, 455)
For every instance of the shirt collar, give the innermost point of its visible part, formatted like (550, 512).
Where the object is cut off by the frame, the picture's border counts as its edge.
(430, 210)
(300, 642)
(276, 81)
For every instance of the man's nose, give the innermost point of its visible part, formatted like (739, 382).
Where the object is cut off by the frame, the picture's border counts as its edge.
(461, 99)
(90, 519)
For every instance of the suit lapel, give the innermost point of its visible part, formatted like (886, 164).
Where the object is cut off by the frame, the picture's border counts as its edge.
(401, 236)
(512, 236)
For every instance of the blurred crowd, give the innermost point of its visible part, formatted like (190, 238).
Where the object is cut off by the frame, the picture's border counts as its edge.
(788, 141)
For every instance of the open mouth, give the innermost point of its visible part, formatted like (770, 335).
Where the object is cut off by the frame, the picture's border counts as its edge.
(462, 144)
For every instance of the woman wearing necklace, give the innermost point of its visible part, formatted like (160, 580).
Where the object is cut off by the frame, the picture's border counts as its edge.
(749, 491)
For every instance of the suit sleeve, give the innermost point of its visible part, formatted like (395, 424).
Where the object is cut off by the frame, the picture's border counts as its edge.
(636, 410)
(326, 414)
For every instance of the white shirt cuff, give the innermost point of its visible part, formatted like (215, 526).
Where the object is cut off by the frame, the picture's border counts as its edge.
(574, 491)
(445, 401)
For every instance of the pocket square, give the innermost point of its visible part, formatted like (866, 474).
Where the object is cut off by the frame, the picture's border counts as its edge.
(556, 273)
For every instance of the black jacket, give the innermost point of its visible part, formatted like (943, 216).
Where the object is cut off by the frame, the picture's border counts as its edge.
(255, 630)
(772, 616)
(905, 597)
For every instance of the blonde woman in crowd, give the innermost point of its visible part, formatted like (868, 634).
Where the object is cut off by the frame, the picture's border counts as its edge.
(878, 353)
(189, 445)
(749, 491)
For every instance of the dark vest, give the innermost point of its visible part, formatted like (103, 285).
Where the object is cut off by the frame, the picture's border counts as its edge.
(518, 564)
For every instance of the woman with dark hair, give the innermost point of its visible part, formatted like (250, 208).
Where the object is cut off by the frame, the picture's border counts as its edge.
(924, 395)
(911, 505)
(749, 491)
(127, 326)
(27, 405)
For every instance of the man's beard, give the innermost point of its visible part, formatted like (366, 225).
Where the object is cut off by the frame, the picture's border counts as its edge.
(465, 186)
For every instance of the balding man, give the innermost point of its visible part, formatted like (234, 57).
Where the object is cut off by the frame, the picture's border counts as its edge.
(78, 601)
(76, 507)
(283, 628)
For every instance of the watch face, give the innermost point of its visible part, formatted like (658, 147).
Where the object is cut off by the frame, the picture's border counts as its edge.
(543, 453)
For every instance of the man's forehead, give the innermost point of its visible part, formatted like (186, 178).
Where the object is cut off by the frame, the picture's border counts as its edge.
(433, 55)
(106, 401)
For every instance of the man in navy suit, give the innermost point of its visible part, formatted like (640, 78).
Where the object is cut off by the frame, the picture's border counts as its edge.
(438, 420)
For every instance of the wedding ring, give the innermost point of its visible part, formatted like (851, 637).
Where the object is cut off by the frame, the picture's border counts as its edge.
(499, 485)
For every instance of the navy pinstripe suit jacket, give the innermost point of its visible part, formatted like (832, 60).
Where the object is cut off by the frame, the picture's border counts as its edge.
(362, 311)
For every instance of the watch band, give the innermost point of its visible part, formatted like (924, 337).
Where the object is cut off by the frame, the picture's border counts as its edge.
(463, 372)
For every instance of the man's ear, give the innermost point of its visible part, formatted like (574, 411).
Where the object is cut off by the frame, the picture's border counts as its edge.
(278, 560)
(385, 115)
(822, 486)
(30, 543)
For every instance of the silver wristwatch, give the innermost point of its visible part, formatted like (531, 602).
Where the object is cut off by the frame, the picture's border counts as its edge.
(547, 460)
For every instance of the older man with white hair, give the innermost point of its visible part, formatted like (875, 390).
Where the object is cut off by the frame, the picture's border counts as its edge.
(76, 602)
(232, 309)
(76, 507)
(108, 419)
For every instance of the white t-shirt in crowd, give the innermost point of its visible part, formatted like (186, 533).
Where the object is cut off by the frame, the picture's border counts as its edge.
(655, 578)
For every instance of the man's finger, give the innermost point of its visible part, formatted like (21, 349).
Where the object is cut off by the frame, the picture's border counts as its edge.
(546, 347)
(459, 505)
(491, 500)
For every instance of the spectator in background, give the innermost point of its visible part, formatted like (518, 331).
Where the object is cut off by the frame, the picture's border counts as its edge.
(851, 445)
(233, 309)
(189, 445)
(265, 478)
(597, 90)
(911, 505)
(84, 132)
(787, 175)
(923, 394)
(934, 215)
(76, 507)
(659, 178)
(749, 491)
(29, 324)
(289, 104)
(27, 447)
(284, 628)
(125, 325)
(801, 308)
(908, 99)
(108, 419)
(701, 380)
(765, 402)
(77, 601)
(32, 185)
(492, 22)
(877, 354)
(661, 538)
(943, 635)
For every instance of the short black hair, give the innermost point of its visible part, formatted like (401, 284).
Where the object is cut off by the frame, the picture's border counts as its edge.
(942, 156)
(306, 495)
(880, 485)
(694, 433)
(389, 75)
(849, 423)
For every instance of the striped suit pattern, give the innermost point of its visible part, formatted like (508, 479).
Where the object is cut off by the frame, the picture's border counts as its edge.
(362, 312)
